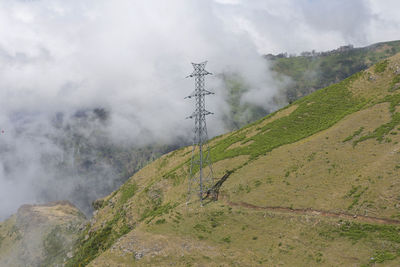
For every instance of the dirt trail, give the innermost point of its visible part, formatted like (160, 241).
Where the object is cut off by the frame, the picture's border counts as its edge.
(310, 211)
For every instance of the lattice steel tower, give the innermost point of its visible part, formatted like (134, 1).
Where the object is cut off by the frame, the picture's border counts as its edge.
(201, 174)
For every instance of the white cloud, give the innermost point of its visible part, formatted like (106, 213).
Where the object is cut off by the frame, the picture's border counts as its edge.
(303, 25)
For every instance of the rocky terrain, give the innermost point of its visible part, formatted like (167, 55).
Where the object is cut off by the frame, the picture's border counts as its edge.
(40, 235)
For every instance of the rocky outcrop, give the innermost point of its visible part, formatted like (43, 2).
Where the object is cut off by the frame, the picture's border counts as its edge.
(40, 235)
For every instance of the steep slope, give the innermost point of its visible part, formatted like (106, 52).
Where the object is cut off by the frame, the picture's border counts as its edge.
(304, 74)
(314, 183)
(40, 235)
(311, 71)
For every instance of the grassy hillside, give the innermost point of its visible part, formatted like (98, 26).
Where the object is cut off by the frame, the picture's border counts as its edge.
(314, 183)
(304, 74)
(312, 71)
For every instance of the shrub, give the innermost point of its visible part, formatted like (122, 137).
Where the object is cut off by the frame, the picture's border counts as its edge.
(160, 221)
(381, 66)
(127, 191)
(226, 239)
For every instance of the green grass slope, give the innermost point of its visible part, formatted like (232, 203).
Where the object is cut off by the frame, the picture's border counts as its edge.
(312, 72)
(301, 75)
(315, 183)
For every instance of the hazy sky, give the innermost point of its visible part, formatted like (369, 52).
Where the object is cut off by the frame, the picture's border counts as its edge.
(302, 25)
(131, 57)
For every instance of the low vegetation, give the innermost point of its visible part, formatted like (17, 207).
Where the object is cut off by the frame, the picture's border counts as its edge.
(314, 113)
(381, 66)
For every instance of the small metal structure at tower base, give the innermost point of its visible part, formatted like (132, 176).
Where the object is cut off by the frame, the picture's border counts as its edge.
(201, 174)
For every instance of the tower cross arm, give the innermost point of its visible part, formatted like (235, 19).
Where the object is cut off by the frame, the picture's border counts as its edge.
(204, 112)
(199, 73)
(191, 116)
(201, 93)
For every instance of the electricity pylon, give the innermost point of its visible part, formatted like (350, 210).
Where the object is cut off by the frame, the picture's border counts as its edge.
(201, 174)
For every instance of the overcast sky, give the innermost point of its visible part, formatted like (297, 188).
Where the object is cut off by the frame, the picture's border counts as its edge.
(131, 57)
(302, 25)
